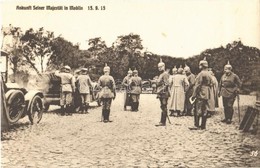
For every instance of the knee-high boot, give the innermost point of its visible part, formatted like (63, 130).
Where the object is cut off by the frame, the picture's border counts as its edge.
(69, 109)
(108, 114)
(83, 108)
(133, 106)
(164, 115)
(103, 114)
(231, 112)
(226, 113)
(196, 121)
(203, 123)
(62, 110)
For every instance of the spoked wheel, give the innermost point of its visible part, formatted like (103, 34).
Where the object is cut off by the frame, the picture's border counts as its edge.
(36, 110)
(15, 106)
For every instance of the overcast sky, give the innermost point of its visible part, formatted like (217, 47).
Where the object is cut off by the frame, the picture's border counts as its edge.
(179, 28)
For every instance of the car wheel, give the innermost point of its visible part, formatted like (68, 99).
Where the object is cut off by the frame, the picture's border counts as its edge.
(36, 110)
(15, 106)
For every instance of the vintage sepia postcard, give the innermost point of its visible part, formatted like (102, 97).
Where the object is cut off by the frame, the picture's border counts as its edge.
(127, 83)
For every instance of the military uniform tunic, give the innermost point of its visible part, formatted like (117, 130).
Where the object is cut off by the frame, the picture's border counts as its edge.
(67, 87)
(127, 96)
(202, 92)
(228, 86)
(162, 85)
(84, 85)
(107, 84)
(135, 86)
(163, 94)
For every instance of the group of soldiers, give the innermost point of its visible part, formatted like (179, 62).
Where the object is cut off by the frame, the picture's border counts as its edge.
(182, 92)
(82, 84)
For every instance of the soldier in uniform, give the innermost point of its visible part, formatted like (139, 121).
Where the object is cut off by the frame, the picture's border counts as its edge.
(126, 84)
(67, 89)
(163, 92)
(189, 92)
(84, 84)
(107, 93)
(136, 90)
(228, 88)
(201, 92)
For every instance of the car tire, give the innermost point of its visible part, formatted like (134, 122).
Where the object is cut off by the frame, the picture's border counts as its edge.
(36, 108)
(15, 106)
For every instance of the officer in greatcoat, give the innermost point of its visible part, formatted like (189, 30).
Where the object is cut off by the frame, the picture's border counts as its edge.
(189, 92)
(67, 89)
(163, 91)
(126, 84)
(229, 87)
(136, 90)
(107, 93)
(201, 92)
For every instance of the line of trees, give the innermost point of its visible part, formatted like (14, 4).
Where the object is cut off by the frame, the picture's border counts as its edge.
(41, 51)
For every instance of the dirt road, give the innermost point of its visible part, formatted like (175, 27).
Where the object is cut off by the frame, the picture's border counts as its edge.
(131, 140)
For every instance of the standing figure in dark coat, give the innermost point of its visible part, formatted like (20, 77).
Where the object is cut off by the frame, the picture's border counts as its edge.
(107, 93)
(163, 92)
(189, 92)
(229, 87)
(136, 90)
(126, 84)
(202, 92)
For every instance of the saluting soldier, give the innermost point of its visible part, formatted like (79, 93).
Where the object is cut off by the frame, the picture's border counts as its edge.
(107, 93)
(126, 84)
(189, 92)
(84, 84)
(201, 92)
(163, 92)
(136, 90)
(229, 87)
(67, 89)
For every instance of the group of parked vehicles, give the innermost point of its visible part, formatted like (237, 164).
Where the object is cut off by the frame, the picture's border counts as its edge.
(20, 102)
